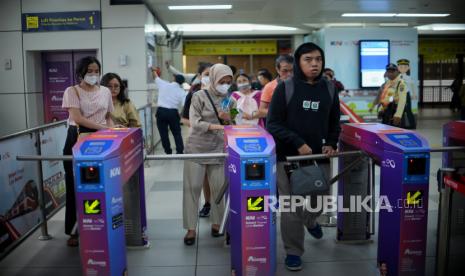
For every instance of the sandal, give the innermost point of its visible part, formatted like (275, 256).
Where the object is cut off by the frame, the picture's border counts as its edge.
(73, 241)
(189, 240)
(216, 233)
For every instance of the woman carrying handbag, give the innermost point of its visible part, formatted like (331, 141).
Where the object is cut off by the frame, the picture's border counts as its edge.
(89, 106)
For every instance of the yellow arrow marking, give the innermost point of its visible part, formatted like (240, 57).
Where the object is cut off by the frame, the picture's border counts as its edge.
(254, 206)
(413, 199)
(91, 209)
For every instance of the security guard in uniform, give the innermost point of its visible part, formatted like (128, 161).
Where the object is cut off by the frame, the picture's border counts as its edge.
(395, 101)
(403, 65)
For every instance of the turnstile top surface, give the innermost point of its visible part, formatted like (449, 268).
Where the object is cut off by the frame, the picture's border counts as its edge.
(248, 140)
(367, 136)
(106, 144)
(455, 130)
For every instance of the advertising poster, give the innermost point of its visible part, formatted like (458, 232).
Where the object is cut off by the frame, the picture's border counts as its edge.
(52, 143)
(58, 77)
(19, 202)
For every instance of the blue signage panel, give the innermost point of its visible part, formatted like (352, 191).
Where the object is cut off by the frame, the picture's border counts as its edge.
(252, 144)
(95, 147)
(61, 21)
(407, 140)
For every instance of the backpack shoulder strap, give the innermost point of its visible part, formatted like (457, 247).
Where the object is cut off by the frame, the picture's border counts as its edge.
(331, 89)
(289, 89)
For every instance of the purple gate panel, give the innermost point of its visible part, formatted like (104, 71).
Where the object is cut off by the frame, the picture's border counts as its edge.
(403, 156)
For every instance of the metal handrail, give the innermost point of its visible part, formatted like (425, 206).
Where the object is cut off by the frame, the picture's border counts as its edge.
(147, 157)
(323, 156)
(443, 149)
(358, 152)
(44, 157)
(144, 106)
(187, 156)
(34, 129)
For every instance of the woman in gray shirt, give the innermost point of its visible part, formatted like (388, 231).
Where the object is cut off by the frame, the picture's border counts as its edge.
(207, 122)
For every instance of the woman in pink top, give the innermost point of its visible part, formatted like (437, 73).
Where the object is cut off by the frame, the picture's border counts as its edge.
(247, 101)
(89, 106)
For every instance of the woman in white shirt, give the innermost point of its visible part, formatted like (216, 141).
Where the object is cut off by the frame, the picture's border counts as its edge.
(89, 106)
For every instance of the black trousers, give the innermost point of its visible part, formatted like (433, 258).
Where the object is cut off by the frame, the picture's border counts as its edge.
(70, 213)
(169, 117)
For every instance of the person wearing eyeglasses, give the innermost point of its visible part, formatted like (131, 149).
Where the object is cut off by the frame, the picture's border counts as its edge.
(124, 113)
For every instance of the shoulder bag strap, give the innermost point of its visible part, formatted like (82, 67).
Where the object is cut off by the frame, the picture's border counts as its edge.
(214, 107)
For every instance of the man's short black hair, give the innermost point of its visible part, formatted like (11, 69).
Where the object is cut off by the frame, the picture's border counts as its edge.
(266, 74)
(179, 79)
(284, 58)
(233, 69)
(203, 66)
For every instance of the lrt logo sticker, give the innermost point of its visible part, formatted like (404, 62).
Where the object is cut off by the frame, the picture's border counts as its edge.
(414, 198)
(255, 204)
(315, 106)
(306, 104)
(92, 207)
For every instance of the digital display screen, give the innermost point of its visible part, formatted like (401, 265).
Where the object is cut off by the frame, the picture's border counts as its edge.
(416, 166)
(90, 175)
(374, 56)
(255, 171)
(402, 136)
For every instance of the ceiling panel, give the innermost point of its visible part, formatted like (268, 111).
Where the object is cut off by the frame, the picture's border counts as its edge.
(297, 12)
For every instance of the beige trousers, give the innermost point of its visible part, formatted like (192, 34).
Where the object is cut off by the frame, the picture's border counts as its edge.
(193, 178)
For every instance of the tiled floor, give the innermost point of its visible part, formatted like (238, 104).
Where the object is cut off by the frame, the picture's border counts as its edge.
(169, 256)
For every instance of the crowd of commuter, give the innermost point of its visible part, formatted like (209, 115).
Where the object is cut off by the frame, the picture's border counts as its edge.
(299, 108)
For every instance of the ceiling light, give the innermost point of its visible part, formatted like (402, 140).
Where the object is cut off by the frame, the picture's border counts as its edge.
(395, 14)
(422, 15)
(186, 28)
(368, 14)
(201, 7)
(393, 24)
(442, 27)
(345, 25)
(329, 25)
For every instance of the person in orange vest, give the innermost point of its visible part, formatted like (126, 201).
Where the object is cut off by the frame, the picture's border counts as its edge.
(395, 102)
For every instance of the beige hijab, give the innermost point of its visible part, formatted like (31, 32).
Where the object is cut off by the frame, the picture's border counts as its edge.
(217, 72)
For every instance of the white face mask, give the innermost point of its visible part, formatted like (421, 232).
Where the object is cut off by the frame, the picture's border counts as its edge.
(223, 88)
(91, 79)
(205, 81)
(244, 86)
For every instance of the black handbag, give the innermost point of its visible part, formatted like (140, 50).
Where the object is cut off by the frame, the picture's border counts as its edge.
(308, 180)
(408, 118)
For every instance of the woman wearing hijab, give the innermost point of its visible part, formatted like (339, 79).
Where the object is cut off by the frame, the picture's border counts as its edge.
(206, 136)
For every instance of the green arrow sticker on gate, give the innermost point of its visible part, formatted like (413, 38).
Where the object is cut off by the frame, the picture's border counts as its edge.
(92, 207)
(255, 204)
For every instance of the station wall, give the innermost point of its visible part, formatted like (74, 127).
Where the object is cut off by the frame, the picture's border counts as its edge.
(122, 34)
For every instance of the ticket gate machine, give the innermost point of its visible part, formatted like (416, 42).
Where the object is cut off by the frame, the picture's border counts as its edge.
(450, 249)
(110, 198)
(251, 170)
(404, 158)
